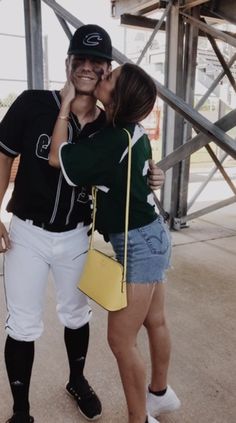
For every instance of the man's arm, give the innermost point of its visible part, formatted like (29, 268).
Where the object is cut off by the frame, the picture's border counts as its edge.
(5, 171)
(156, 176)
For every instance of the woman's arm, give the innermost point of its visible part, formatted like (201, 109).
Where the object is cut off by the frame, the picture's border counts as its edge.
(59, 135)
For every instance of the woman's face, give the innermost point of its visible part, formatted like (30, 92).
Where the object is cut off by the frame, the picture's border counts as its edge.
(105, 87)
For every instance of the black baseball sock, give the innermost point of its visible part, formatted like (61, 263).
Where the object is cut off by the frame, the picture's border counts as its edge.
(158, 393)
(19, 357)
(76, 341)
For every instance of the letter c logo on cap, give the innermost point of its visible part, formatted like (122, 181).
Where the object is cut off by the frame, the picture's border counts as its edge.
(92, 39)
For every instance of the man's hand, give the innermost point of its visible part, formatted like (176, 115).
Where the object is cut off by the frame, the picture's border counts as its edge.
(4, 239)
(156, 176)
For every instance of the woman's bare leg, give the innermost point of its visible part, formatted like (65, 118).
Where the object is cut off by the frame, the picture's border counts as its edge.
(159, 339)
(123, 327)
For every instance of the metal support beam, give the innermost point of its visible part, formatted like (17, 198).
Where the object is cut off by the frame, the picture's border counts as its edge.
(64, 26)
(193, 3)
(207, 210)
(133, 6)
(225, 124)
(34, 48)
(215, 83)
(222, 61)
(200, 122)
(139, 21)
(63, 13)
(156, 29)
(204, 184)
(136, 21)
(208, 29)
(225, 10)
(189, 75)
(172, 122)
(220, 168)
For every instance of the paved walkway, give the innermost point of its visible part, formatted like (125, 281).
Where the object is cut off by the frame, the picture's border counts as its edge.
(201, 298)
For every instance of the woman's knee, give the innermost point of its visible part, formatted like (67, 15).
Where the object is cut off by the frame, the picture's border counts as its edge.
(114, 342)
(155, 320)
(118, 343)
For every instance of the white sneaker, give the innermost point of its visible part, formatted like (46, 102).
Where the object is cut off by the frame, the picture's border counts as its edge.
(152, 420)
(164, 404)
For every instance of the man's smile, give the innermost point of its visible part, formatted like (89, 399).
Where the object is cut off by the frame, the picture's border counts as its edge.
(86, 78)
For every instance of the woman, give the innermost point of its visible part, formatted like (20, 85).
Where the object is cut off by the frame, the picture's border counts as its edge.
(128, 95)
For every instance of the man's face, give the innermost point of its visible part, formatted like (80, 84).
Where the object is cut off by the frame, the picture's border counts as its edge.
(86, 72)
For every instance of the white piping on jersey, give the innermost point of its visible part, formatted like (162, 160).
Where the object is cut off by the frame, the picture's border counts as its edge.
(150, 199)
(61, 176)
(9, 149)
(138, 133)
(56, 99)
(72, 201)
(146, 168)
(62, 167)
(57, 198)
(70, 129)
(103, 188)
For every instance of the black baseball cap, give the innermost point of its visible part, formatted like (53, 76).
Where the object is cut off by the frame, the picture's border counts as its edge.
(91, 40)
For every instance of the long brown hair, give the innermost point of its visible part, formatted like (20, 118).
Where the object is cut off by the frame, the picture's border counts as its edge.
(134, 95)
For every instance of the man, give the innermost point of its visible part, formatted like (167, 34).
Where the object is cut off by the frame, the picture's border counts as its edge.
(50, 222)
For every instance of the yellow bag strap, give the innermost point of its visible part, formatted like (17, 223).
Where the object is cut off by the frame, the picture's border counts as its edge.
(94, 200)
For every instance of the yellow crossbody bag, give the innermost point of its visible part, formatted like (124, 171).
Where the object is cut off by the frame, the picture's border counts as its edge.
(104, 279)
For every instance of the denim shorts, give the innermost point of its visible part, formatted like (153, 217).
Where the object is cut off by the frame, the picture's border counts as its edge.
(149, 251)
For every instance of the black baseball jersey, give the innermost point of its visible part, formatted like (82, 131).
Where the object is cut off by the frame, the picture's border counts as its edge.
(40, 191)
(103, 162)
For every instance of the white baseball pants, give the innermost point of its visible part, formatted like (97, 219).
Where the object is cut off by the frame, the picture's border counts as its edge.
(35, 251)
